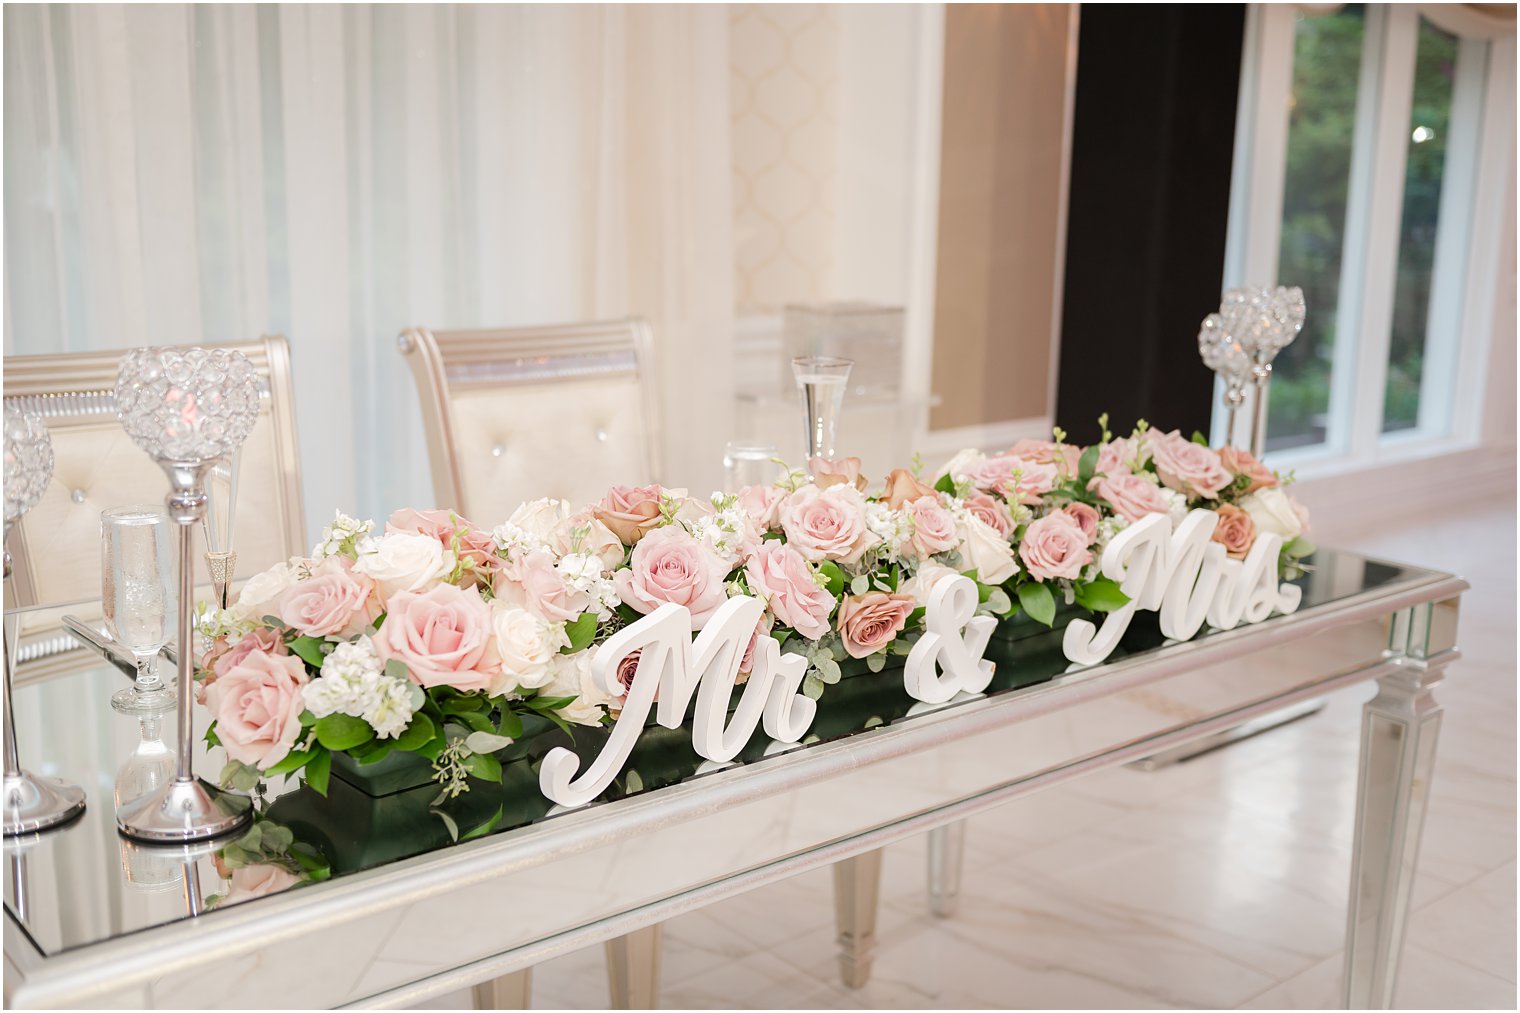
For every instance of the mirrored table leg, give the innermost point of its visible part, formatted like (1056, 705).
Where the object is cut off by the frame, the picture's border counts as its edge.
(1400, 726)
(510, 991)
(633, 969)
(857, 891)
(947, 846)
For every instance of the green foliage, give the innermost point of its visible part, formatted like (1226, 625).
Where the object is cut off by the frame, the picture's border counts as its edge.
(834, 575)
(581, 631)
(946, 485)
(420, 731)
(318, 771)
(1038, 602)
(342, 731)
(1100, 595)
(309, 650)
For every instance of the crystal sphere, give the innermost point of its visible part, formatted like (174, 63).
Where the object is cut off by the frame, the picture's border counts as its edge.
(187, 404)
(1263, 320)
(28, 461)
(1219, 349)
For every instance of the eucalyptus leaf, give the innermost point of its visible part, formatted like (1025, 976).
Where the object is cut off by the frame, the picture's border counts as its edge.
(396, 669)
(448, 823)
(486, 742)
(860, 584)
(812, 686)
(633, 782)
(876, 662)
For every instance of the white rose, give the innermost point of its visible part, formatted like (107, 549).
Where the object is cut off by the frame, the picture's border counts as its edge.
(570, 675)
(959, 466)
(404, 561)
(1272, 512)
(984, 550)
(584, 533)
(540, 517)
(923, 581)
(527, 645)
(262, 592)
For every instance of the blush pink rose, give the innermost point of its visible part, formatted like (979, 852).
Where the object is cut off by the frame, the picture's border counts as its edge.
(1121, 456)
(1086, 518)
(443, 636)
(262, 638)
(1131, 496)
(1063, 455)
(903, 486)
(333, 602)
(630, 511)
(1241, 462)
(257, 706)
(532, 582)
(250, 881)
(991, 512)
(996, 475)
(869, 622)
(627, 669)
(1054, 546)
(669, 565)
(933, 527)
(1190, 468)
(445, 525)
(829, 471)
(827, 523)
(763, 505)
(747, 661)
(778, 573)
(1236, 531)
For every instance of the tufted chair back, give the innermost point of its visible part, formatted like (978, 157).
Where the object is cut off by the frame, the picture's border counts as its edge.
(56, 547)
(518, 413)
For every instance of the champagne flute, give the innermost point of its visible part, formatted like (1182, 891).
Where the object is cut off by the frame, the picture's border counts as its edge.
(821, 381)
(139, 598)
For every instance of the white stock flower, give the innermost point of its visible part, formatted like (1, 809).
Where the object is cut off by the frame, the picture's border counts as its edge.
(404, 561)
(260, 595)
(728, 530)
(1176, 505)
(527, 645)
(342, 535)
(353, 682)
(570, 675)
(893, 527)
(583, 572)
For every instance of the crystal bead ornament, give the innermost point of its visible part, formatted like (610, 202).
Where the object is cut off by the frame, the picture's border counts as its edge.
(32, 802)
(188, 409)
(1241, 340)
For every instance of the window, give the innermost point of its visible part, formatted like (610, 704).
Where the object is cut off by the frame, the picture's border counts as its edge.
(1372, 159)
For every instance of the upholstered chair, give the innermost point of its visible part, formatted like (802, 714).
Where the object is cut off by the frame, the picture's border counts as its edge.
(55, 548)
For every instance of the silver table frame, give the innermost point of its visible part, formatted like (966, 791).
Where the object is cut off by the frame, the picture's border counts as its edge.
(385, 927)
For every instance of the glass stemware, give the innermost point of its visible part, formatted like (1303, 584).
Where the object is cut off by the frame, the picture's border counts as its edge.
(746, 464)
(821, 382)
(150, 765)
(139, 598)
(221, 513)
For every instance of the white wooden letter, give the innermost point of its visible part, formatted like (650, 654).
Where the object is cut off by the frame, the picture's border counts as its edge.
(954, 643)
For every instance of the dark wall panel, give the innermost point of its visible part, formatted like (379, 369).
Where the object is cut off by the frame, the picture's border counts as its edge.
(1153, 137)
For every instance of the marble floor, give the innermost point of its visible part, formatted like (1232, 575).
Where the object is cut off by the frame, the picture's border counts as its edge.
(1216, 883)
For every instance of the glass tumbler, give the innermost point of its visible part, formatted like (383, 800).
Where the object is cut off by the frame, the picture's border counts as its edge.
(137, 571)
(746, 464)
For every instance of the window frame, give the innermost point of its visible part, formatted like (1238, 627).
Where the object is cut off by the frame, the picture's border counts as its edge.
(1465, 270)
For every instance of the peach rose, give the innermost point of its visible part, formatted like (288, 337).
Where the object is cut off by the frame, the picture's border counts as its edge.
(669, 565)
(630, 511)
(903, 487)
(779, 574)
(1190, 468)
(257, 707)
(868, 622)
(1063, 455)
(1131, 496)
(1086, 517)
(1241, 462)
(1236, 531)
(830, 471)
(763, 505)
(933, 527)
(443, 636)
(1054, 546)
(334, 602)
(991, 512)
(827, 523)
(445, 525)
(252, 881)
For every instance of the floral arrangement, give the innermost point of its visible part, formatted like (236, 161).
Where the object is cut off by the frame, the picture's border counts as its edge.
(438, 637)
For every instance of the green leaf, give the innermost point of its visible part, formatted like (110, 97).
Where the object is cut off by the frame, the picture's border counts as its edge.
(486, 742)
(1087, 465)
(915, 617)
(318, 771)
(308, 719)
(417, 734)
(212, 739)
(1038, 602)
(484, 766)
(581, 631)
(308, 649)
(834, 575)
(477, 722)
(484, 828)
(860, 584)
(550, 703)
(1101, 595)
(396, 669)
(464, 705)
(812, 686)
(1299, 547)
(876, 662)
(239, 775)
(448, 823)
(292, 761)
(946, 485)
(1200, 439)
(342, 731)
(632, 782)
(510, 725)
(382, 749)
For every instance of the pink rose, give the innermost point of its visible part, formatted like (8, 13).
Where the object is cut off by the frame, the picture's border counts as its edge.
(257, 706)
(443, 636)
(830, 471)
(1086, 518)
(1063, 455)
(1131, 496)
(747, 662)
(996, 475)
(827, 523)
(445, 525)
(250, 881)
(1054, 546)
(933, 527)
(868, 622)
(903, 487)
(763, 505)
(1121, 456)
(1190, 468)
(779, 574)
(627, 669)
(220, 662)
(334, 602)
(630, 511)
(991, 512)
(532, 582)
(1236, 531)
(669, 565)
(1241, 462)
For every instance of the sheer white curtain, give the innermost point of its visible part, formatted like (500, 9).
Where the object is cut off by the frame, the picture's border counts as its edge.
(190, 173)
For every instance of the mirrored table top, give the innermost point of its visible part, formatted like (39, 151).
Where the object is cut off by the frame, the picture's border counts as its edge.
(84, 883)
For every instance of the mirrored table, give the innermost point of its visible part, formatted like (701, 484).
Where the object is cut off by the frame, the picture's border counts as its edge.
(407, 913)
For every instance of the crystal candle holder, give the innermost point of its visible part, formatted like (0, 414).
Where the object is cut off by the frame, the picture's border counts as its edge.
(1241, 340)
(188, 409)
(32, 802)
